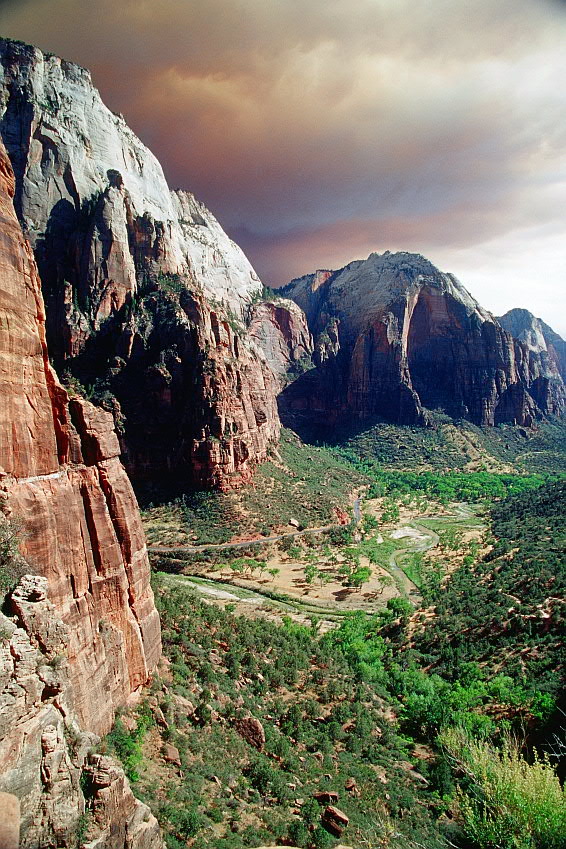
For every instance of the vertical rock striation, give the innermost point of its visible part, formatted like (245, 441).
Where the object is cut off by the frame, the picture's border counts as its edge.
(145, 293)
(279, 328)
(46, 760)
(394, 335)
(539, 338)
(62, 481)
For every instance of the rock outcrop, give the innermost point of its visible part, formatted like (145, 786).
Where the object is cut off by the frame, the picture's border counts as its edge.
(62, 482)
(67, 794)
(539, 338)
(394, 336)
(279, 328)
(146, 297)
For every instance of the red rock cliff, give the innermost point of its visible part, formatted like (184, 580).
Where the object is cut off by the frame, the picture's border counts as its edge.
(397, 336)
(61, 479)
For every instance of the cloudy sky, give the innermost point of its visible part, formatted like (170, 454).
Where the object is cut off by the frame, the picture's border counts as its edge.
(321, 130)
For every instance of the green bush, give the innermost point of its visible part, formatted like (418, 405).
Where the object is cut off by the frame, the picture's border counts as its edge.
(505, 802)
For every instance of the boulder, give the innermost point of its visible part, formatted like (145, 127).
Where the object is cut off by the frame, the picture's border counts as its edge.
(171, 754)
(251, 730)
(334, 820)
(325, 797)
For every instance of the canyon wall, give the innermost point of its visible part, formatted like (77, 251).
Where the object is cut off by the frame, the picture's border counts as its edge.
(147, 299)
(395, 337)
(62, 482)
(68, 794)
(539, 338)
(83, 632)
(280, 329)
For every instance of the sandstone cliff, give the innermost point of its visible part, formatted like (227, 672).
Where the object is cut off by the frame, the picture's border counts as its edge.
(68, 794)
(280, 329)
(539, 338)
(62, 481)
(394, 335)
(146, 296)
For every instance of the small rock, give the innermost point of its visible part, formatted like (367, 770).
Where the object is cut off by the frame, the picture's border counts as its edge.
(129, 722)
(251, 730)
(326, 797)
(352, 787)
(184, 704)
(171, 754)
(160, 718)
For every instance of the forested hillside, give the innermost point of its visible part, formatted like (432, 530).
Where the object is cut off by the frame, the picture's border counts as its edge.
(507, 611)
(403, 720)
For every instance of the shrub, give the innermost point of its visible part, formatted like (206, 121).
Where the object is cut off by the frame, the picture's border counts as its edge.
(505, 802)
(12, 564)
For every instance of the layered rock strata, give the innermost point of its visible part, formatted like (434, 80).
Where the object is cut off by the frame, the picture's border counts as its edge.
(62, 483)
(117, 251)
(394, 335)
(67, 794)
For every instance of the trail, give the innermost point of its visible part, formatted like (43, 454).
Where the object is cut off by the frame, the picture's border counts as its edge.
(219, 546)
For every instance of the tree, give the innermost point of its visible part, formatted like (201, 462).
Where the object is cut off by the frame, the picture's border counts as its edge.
(384, 581)
(360, 576)
(273, 572)
(310, 572)
(237, 566)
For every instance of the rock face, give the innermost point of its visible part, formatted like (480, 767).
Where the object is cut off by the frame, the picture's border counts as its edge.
(394, 335)
(280, 329)
(62, 481)
(46, 761)
(147, 298)
(539, 338)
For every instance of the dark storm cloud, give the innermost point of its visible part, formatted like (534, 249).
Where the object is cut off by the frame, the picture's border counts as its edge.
(323, 129)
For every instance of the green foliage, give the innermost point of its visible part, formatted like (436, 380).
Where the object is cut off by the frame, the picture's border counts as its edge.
(443, 486)
(183, 822)
(12, 565)
(173, 283)
(493, 608)
(318, 715)
(506, 802)
(304, 483)
(83, 825)
(359, 577)
(448, 445)
(128, 745)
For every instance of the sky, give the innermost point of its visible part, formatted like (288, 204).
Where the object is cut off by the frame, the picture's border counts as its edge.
(318, 131)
